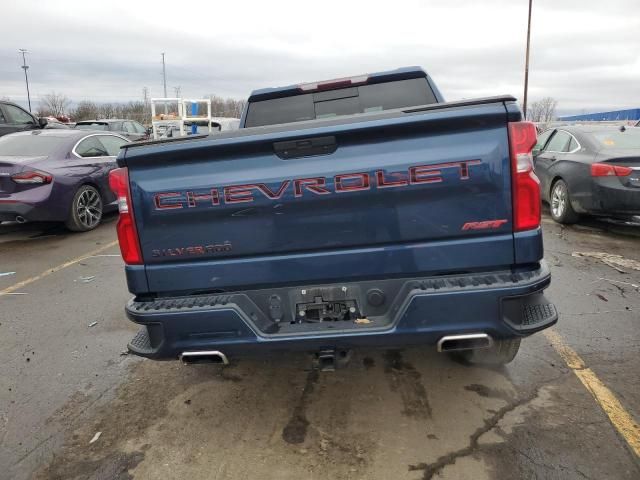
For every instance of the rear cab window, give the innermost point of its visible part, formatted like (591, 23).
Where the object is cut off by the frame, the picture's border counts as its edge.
(344, 101)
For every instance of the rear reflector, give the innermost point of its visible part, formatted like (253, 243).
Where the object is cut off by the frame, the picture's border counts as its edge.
(606, 170)
(525, 183)
(32, 177)
(333, 84)
(126, 228)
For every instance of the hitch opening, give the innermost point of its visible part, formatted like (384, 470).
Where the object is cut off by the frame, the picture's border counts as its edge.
(321, 310)
(329, 360)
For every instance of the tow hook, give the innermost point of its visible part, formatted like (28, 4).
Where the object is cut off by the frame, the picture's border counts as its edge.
(328, 360)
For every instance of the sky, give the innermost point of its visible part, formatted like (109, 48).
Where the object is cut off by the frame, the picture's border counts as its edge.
(584, 53)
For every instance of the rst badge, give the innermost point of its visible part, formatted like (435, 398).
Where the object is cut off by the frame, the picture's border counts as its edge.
(484, 225)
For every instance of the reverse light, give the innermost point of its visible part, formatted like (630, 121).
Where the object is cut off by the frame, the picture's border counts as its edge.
(525, 183)
(34, 177)
(606, 170)
(126, 228)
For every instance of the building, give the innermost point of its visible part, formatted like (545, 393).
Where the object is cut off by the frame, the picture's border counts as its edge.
(630, 114)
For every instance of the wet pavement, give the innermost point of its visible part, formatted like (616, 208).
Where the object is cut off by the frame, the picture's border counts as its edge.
(411, 414)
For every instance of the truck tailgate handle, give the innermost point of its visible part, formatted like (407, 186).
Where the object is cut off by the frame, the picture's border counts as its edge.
(305, 147)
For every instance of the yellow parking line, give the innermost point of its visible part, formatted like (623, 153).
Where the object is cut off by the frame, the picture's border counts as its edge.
(619, 417)
(46, 273)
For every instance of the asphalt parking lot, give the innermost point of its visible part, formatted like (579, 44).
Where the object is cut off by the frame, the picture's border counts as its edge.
(411, 414)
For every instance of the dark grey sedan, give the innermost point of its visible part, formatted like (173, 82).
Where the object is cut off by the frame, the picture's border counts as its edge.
(127, 128)
(591, 170)
(57, 175)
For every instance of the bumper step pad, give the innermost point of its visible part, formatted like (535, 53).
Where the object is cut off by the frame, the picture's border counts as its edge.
(141, 343)
(529, 314)
(535, 314)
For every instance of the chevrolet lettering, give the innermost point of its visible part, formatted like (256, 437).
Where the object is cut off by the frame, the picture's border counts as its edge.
(298, 187)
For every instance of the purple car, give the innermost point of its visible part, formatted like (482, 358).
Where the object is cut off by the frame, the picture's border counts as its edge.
(57, 175)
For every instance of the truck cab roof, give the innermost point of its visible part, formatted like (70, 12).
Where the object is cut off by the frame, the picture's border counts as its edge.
(403, 73)
(370, 92)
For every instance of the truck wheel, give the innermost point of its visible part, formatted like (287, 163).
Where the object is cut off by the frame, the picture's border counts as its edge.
(561, 209)
(500, 353)
(86, 210)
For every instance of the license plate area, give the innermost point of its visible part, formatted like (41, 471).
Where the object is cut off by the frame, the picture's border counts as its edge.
(330, 304)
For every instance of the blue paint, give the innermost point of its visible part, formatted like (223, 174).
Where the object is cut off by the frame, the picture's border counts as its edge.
(194, 112)
(629, 114)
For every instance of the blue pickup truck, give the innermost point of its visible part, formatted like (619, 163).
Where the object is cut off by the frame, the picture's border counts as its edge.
(359, 212)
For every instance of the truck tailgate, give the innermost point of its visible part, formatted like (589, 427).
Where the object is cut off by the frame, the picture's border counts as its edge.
(391, 195)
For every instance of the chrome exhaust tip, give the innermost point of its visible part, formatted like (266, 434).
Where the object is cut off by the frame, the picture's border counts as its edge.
(205, 356)
(469, 341)
(20, 219)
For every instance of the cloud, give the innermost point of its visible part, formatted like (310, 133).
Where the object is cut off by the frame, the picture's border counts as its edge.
(586, 56)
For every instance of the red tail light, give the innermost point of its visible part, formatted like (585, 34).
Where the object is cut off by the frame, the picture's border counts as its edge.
(606, 170)
(32, 177)
(525, 184)
(127, 233)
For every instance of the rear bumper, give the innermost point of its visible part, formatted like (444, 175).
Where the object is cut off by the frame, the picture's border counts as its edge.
(34, 204)
(418, 311)
(611, 197)
(9, 210)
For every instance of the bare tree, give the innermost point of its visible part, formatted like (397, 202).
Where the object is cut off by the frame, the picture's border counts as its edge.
(53, 104)
(226, 107)
(107, 110)
(85, 110)
(543, 110)
(141, 110)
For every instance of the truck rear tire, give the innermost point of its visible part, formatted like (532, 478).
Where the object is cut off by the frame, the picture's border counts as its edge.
(500, 353)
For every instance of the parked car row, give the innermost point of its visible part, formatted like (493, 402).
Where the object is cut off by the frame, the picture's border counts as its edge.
(58, 175)
(590, 170)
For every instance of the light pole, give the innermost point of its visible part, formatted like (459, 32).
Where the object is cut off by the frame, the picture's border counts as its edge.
(164, 76)
(526, 63)
(25, 67)
(164, 81)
